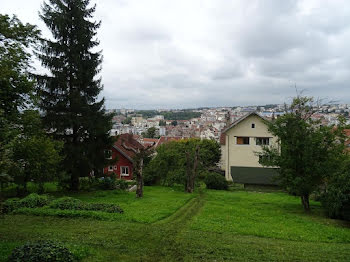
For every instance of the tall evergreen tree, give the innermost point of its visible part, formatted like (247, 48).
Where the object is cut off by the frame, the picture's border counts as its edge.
(69, 95)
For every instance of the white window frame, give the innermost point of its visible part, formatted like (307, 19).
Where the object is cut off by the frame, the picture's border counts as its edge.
(262, 138)
(110, 168)
(121, 171)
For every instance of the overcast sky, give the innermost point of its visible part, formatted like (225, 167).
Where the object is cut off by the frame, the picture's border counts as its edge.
(194, 53)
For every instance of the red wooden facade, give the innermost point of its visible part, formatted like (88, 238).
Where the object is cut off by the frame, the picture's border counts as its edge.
(122, 150)
(117, 167)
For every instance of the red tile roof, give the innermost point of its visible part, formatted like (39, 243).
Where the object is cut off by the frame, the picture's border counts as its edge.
(124, 144)
(165, 139)
(149, 142)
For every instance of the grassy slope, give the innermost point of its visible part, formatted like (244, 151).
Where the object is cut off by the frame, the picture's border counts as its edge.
(157, 203)
(274, 215)
(206, 228)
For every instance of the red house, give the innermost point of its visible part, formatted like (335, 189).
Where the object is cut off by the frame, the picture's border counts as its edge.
(122, 150)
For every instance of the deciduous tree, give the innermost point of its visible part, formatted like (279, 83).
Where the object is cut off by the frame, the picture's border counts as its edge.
(16, 83)
(306, 153)
(181, 162)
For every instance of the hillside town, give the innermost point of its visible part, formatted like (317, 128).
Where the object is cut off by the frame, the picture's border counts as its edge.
(210, 121)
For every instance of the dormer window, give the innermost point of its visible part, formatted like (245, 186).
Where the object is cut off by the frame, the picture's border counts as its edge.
(253, 125)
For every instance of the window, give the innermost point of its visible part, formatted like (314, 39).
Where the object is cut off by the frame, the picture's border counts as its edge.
(242, 140)
(124, 171)
(253, 125)
(108, 154)
(110, 168)
(262, 141)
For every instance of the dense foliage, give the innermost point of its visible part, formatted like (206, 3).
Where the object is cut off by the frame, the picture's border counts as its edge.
(31, 201)
(69, 95)
(336, 197)
(36, 156)
(26, 152)
(150, 133)
(44, 251)
(16, 83)
(215, 181)
(307, 152)
(181, 162)
(76, 204)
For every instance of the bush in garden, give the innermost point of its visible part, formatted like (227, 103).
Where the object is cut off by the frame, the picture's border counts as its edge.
(121, 184)
(69, 203)
(336, 200)
(34, 200)
(88, 184)
(31, 201)
(105, 207)
(9, 205)
(43, 251)
(108, 182)
(215, 181)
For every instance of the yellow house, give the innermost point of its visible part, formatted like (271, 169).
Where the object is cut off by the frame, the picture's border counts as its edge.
(240, 143)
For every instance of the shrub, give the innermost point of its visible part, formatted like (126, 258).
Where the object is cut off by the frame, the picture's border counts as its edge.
(43, 251)
(31, 201)
(67, 203)
(64, 182)
(107, 183)
(121, 184)
(9, 205)
(76, 204)
(34, 200)
(88, 184)
(336, 200)
(215, 181)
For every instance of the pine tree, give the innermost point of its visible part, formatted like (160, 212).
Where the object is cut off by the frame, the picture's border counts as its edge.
(69, 95)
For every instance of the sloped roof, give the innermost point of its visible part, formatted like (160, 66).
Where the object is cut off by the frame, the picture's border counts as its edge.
(124, 144)
(165, 139)
(149, 142)
(241, 119)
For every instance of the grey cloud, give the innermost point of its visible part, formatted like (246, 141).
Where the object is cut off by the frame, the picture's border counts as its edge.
(176, 54)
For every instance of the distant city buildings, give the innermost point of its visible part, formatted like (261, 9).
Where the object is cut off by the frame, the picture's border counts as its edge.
(211, 121)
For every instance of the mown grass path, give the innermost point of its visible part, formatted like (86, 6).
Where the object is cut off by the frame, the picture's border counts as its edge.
(171, 244)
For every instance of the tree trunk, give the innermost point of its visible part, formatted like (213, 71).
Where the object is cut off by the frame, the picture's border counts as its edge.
(188, 187)
(41, 188)
(191, 170)
(74, 182)
(139, 179)
(305, 202)
(74, 178)
(195, 165)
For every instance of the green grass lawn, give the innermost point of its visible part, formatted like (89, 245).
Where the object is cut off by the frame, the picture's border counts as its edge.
(175, 226)
(273, 215)
(157, 203)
